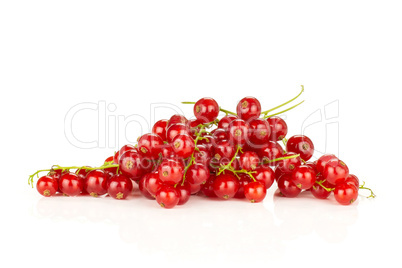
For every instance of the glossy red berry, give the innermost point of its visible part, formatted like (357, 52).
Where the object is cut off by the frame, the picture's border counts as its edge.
(225, 186)
(47, 186)
(244, 179)
(202, 155)
(248, 107)
(167, 151)
(123, 149)
(177, 119)
(133, 165)
(353, 180)
(70, 184)
(265, 175)
(238, 131)
(185, 192)
(183, 145)
(287, 187)
(208, 141)
(120, 187)
(322, 161)
(270, 151)
(175, 130)
(302, 145)
(288, 165)
(220, 134)
(345, 193)
(150, 145)
(96, 183)
(143, 189)
(225, 121)
(208, 188)
(159, 128)
(304, 177)
(206, 110)
(255, 191)
(260, 131)
(249, 160)
(168, 196)
(197, 174)
(318, 191)
(153, 183)
(171, 171)
(224, 150)
(335, 171)
(278, 127)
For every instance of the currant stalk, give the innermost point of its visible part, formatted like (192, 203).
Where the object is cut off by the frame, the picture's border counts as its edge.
(372, 195)
(283, 104)
(220, 108)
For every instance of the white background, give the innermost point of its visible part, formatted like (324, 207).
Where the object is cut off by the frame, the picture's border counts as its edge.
(132, 54)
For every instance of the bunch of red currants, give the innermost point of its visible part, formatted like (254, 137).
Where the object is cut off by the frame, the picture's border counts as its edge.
(237, 156)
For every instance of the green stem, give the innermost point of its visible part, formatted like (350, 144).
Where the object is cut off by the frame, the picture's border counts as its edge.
(229, 165)
(372, 195)
(281, 158)
(226, 111)
(281, 112)
(188, 102)
(283, 104)
(325, 188)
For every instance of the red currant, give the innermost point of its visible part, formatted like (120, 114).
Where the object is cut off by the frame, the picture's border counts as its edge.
(220, 134)
(255, 191)
(95, 183)
(185, 192)
(153, 183)
(225, 121)
(259, 132)
(238, 131)
(197, 174)
(318, 191)
(171, 171)
(150, 145)
(47, 186)
(183, 145)
(177, 119)
(168, 196)
(288, 165)
(159, 128)
(335, 171)
(302, 145)
(208, 188)
(206, 110)
(133, 165)
(353, 180)
(270, 151)
(278, 127)
(248, 107)
(287, 187)
(70, 184)
(323, 160)
(225, 186)
(244, 179)
(142, 187)
(265, 175)
(224, 150)
(249, 160)
(175, 130)
(202, 155)
(345, 193)
(120, 186)
(304, 177)
(117, 155)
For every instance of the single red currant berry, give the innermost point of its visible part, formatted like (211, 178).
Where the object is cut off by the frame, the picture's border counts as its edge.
(195, 188)
(265, 175)
(208, 188)
(255, 191)
(335, 171)
(220, 134)
(345, 193)
(167, 151)
(278, 173)
(238, 131)
(352, 179)
(270, 151)
(159, 128)
(96, 183)
(260, 132)
(185, 192)
(194, 126)
(133, 165)
(278, 127)
(322, 161)
(142, 187)
(226, 186)
(287, 187)
(47, 186)
(171, 171)
(177, 119)
(249, 160)
(197, 174)
(206, 110)
(150, 145)
(175, 130)
(224, 150)
(117, 155)
(183, 145)
(289, 164)
(318, 191)
(153, 183)
(168, 196)
(70, 184)
(120, 186)
(202, 155)
(302, 145)
(208, 141)
(248, 107)
(304, 177)
(244, 179)
(225, 121)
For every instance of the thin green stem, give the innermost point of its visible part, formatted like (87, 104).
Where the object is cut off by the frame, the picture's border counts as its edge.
(188, 102)
(283, 104)
(372, 195)
(281, 158)
(281, 112)
(229, 165)
(226, 111)
(325, 188)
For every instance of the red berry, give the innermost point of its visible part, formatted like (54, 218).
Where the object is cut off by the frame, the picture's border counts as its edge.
(96, 182)
(345, 193)
(195, 188)
(259, 132)
(265, 175)
(225, 186)
(287, 187)
(288, 165)
(159, 128)
(171, 171)
(353, 180)
(206, 110)
(47, 186)
(279, 128)
(153, 183)
(220, 134)
(167, 151)
(185, 192)
(224, 150)
(70, 184)
(120, 186)
(255, 191)
(244, 179)
(249, 160)
(150, 145)
(168, 196)
(175, 130)
(318, 191)
(117, 155)
(133, 165)
(177, 119)
(183, 145)
(202, 155)
(142, 187)
(238, 131)
(304, 177)
(225, 121)
(197, 174)
(208, 188)
(322, 161)
(208, 141)
(270, 151)
(302, 145)
(248, 107)
(335, 171)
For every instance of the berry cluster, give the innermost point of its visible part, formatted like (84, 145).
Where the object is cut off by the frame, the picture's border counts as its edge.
(237, 156)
